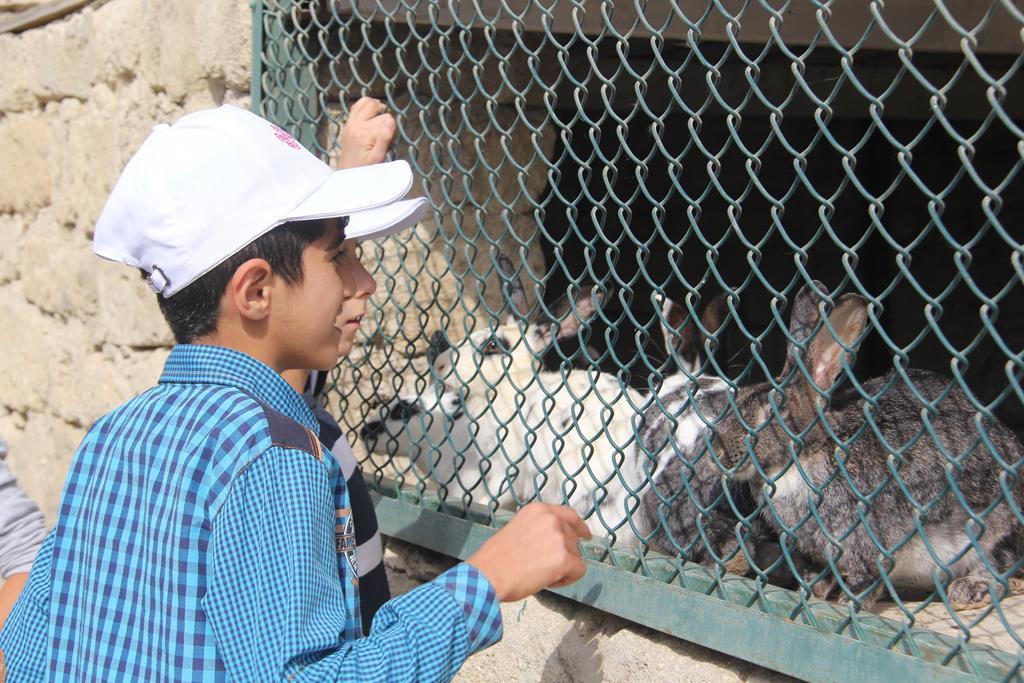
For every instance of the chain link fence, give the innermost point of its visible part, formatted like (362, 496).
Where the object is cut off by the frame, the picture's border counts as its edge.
(739, 281)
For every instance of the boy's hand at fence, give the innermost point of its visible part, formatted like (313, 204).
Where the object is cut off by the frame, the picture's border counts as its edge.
(367, 134)
(537, 549)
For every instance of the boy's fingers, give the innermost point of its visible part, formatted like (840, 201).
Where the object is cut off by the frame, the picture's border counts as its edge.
(570, 518)
(573, 546)
(570, 538)
(577, 570)
(360, 105)
(573, 573)
(367, 108)
(387, 124)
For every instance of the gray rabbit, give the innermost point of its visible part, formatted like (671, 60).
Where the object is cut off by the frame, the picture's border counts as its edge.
(911, 466)
(687, 505)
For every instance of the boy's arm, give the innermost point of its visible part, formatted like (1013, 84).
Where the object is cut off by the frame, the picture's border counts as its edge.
(22, 530)
(9, 593)
(276, 603)
(22, 526)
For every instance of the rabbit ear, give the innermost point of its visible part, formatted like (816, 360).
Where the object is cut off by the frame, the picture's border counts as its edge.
(568, 321)
(712, 318)
(680, 337)
(830, 346)
(437, 345)
(512, 286)
(683, 336)
(834, 341)
(803, 320)
(714, 313)
(559, 309)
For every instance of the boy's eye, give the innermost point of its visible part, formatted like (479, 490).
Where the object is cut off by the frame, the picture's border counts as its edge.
(339, 255)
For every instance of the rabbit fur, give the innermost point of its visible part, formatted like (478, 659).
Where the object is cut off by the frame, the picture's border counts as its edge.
(432, 431)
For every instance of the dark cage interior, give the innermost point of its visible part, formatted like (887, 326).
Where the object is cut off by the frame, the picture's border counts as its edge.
(881, 206)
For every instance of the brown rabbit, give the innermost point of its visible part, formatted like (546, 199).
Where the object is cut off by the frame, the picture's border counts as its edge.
(892, 477)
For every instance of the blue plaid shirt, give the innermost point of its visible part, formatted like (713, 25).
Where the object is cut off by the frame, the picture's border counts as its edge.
(192, 546)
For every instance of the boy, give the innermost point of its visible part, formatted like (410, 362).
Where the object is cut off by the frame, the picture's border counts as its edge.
(202, 533)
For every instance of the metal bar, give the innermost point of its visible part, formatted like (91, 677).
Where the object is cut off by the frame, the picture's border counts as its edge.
(729, 626)
(256, 86)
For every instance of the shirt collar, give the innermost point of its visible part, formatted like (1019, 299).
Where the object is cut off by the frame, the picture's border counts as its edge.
(200, 364)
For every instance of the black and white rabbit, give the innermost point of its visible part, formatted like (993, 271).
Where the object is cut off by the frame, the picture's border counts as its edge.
(691, 507)
(687, 506)
(891, 485)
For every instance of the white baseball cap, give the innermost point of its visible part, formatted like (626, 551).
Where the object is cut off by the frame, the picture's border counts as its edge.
(203, 188)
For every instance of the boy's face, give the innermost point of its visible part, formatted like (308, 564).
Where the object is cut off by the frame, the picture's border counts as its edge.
(319, 318)
(354, 308)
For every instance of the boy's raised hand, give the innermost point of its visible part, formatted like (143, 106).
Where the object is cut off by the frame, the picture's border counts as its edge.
(367, 134)
(537, 549)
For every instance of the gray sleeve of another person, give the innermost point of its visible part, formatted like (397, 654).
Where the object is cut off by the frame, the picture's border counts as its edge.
(22, 526)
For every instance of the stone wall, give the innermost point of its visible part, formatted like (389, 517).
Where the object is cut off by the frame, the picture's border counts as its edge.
(77, 98)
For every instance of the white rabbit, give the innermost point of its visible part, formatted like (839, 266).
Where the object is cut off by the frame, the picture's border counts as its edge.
(565, 436)
(433, 432)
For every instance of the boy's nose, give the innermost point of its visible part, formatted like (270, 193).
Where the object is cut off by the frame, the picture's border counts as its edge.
(356, 281)
(367, 285)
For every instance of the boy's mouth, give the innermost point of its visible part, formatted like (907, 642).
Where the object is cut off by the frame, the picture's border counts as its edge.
(351, 322)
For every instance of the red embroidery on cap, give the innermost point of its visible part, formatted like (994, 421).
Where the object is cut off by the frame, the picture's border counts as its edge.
(285, 137)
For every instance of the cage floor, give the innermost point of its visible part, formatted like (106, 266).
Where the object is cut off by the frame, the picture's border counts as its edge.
(990, 631)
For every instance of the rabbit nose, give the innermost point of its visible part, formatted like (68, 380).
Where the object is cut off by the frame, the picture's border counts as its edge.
(438, 345)
(403, 411)
(371, 430)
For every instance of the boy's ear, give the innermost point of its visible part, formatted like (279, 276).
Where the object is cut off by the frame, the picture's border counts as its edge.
(248, 290)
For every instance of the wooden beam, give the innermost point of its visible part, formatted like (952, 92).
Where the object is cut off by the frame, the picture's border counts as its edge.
(41, 15)
(850, 23)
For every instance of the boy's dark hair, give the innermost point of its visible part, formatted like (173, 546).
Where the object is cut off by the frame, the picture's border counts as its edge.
(193, 312)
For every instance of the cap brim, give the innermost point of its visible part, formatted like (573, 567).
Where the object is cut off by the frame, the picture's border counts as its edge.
(354, 190)
(387, 220)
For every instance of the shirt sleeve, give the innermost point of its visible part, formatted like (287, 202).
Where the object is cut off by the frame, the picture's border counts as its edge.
(22, 526)
(276, 599)
(479, 603)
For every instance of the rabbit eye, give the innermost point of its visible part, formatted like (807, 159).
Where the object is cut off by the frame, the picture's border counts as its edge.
(493, 346)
